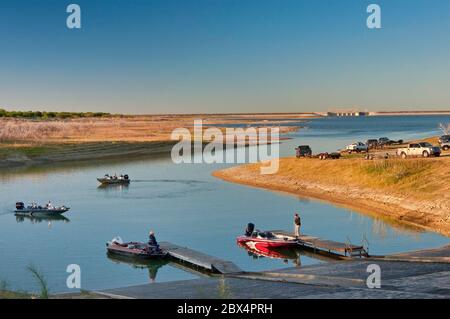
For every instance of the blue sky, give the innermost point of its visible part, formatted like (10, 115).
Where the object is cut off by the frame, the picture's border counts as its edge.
(192, 56)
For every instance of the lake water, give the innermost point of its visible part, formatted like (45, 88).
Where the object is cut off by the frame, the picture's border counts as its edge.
(185, 205)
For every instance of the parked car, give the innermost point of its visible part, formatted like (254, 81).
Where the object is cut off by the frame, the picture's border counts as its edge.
(444, 139)
(445, 146)
(357, 147)
(423, 149)
(372, 143)
(303, 151)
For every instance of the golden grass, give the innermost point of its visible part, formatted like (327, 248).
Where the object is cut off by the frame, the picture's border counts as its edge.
(421, 177)
(149, 128)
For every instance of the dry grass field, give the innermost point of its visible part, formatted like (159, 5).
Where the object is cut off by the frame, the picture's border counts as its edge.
(33, 141)
(120, 128)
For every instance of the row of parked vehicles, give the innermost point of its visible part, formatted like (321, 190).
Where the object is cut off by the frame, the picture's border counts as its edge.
(423, 149)
(371, 144)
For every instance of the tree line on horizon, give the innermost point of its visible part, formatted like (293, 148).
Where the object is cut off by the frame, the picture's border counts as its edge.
(50, 115)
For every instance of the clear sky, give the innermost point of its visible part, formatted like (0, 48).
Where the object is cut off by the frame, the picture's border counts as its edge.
(192, 56)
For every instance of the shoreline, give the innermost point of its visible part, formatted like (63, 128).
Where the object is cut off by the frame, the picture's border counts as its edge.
(27, 142)
(361, 208)
(82, 152)
(419, 214)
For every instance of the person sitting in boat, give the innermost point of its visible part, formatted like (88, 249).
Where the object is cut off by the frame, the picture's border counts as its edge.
(50, 205)
(249, 230)
(152, 240)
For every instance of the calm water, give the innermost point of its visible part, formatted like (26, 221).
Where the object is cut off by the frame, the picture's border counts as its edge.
(184, 205)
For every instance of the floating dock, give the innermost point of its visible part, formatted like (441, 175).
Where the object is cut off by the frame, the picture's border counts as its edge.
(324, 246)
(414, 277)
(199, 260)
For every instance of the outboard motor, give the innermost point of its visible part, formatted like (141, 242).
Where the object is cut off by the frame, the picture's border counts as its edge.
(249, 230)
(126, 177)
(20, 205)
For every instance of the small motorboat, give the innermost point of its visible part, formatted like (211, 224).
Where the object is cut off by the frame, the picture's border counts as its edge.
(114, 180)
(35, 210)
(264, 239)
(134, 249)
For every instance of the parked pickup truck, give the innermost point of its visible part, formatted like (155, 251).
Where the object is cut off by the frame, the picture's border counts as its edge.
(423, 149)
(357, 147)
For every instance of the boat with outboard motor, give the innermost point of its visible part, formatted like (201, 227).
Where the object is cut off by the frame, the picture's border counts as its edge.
(114, 180)
(134, 249)
(35, 210)
(264, 239)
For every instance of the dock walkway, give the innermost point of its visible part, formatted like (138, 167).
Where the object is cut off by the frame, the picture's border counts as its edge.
(324, 245)
(405, 279)
(199, 260)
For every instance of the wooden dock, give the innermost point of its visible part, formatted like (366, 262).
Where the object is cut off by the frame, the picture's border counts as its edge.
(324, 246)
(199, 260)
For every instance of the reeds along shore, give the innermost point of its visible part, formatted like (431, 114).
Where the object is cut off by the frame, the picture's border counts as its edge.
(412, 191)
(118, 128)
(33, 141)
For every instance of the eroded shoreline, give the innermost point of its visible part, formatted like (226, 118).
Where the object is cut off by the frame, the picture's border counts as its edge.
(430, 211)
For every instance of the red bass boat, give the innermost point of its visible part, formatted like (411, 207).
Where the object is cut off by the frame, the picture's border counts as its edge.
(258, 240)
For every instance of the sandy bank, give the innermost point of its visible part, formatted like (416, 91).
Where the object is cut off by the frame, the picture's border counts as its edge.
(413, 191)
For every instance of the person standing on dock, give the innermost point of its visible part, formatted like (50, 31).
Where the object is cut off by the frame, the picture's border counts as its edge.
(297, 224)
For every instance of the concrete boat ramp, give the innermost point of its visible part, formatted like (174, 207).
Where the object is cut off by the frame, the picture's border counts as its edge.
(421, 274)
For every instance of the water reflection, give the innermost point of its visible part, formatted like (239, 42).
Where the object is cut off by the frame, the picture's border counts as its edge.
(42, 219)
(113, 187)
(284, 254)
(151, 265)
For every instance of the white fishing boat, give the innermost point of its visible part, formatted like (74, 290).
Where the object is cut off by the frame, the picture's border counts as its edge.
(114, 180)
(35, 210)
